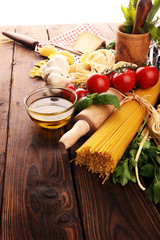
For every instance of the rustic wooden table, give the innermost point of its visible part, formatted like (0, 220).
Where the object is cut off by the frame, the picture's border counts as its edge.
(42, 194)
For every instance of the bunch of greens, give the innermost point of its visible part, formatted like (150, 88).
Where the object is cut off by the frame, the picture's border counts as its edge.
(149, 26)
(95, 98)
(148, 167)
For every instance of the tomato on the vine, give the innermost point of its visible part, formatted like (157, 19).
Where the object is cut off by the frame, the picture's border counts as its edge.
(110, 76)
(98, 83)
(81, 92)
(147, 76)
(71, 86)
(124, 81)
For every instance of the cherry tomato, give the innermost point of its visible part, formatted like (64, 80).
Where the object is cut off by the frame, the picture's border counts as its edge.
(132, 70)
(68, 95)
(71, 85)
(98, 83)
(110, 76)
(81, 92)
(124, 81)
(147, 76)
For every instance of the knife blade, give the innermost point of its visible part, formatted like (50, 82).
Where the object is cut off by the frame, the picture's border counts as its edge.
(32, 43)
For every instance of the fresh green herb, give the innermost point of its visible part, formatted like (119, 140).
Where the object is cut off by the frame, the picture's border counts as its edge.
(149, 26)
(106, 98)
(95, 98)
(129, 15)
(83, 103)
(110, 44)
(154, 10)
(148, 166)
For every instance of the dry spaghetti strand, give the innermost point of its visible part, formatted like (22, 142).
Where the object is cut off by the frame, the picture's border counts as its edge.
(102, 151)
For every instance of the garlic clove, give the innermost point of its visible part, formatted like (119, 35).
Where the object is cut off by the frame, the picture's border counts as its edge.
(61, 62)
(47, 71)
(55, 79)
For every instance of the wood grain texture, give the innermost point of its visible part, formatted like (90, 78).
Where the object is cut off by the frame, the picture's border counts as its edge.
(39, 199)
(6, 61)
(44, 195)
(117, 212)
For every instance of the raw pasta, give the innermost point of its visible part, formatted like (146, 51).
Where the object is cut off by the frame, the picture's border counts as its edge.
(102, 151)
(102, 56)
(96, 61)
(82, 70)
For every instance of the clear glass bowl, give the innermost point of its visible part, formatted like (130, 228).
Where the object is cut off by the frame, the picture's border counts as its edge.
(51, 107)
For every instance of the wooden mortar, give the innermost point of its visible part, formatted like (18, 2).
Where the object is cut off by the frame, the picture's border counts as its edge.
(132, 48)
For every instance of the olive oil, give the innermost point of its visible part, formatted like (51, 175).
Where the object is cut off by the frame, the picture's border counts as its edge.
(51, 112)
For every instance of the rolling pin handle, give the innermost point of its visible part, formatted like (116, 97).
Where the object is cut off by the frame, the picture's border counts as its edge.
(79, 129)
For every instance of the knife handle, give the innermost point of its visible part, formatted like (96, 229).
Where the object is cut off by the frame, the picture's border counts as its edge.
(27, 41)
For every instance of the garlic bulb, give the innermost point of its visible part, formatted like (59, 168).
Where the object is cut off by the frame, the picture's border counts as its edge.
(47, 71)
(59, 61)
(56, 71)
(55, 79)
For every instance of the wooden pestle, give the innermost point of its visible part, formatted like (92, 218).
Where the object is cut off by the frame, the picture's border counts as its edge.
(142, 10)
(88, 121)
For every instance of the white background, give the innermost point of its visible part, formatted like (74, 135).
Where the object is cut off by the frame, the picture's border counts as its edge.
(30, 12)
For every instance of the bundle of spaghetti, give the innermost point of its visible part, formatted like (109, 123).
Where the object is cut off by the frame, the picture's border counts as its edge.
(102, 151)
(83, 70)
(100, 56)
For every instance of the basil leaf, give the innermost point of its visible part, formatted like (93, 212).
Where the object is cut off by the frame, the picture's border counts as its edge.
(95, 98)
(106, 98)
(83, 103)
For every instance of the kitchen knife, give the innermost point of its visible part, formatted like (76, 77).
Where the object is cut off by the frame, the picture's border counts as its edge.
(32, 43)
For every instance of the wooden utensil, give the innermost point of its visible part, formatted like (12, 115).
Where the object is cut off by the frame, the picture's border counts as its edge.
(88, 121)
(142, 10)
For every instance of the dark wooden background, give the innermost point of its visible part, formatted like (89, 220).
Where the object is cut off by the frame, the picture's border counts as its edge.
(42, 194)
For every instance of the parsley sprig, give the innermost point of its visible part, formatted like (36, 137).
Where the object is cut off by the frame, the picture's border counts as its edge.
(148, 166)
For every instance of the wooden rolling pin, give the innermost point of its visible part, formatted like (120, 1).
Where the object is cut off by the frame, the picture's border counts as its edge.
(88, 121)
(142, 10)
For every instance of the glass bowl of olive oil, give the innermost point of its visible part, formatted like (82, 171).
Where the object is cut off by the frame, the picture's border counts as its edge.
(51, 107)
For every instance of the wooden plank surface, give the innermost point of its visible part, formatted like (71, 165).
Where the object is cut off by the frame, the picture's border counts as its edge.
(122, 210)
(38, 199)
(43, 195)
(6, 61)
